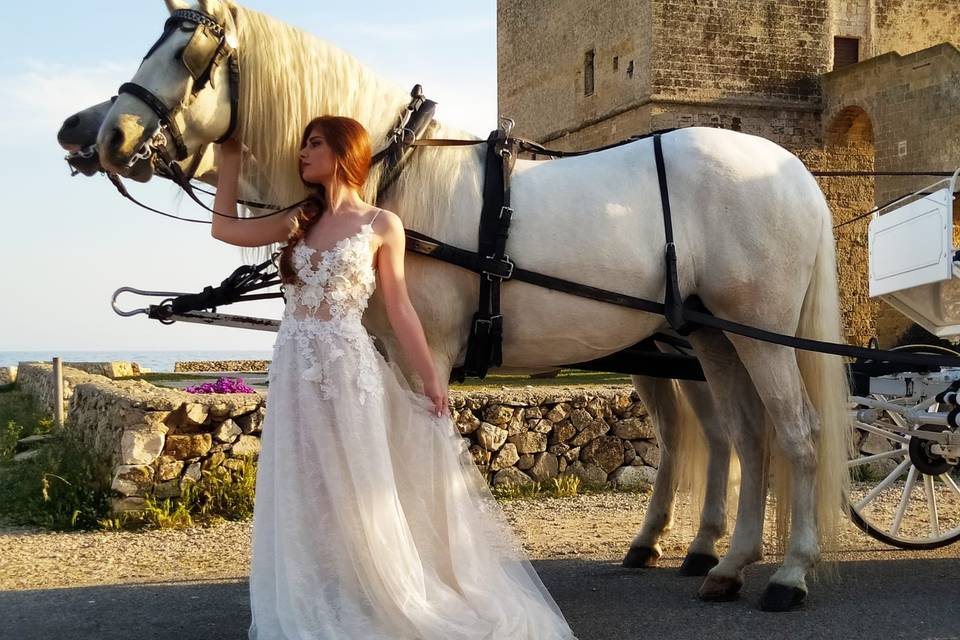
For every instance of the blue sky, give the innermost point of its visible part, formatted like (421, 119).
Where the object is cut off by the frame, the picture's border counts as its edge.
(68, 243)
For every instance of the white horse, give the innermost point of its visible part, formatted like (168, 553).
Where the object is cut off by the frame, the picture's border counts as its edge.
(677, 425)
(752, 227)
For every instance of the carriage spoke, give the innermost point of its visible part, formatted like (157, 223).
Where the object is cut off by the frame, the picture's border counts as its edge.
(882, 432)
(950, 482)
(896, 473)
(895, 453)
(904, 500)
(898, 419)
(931, 505)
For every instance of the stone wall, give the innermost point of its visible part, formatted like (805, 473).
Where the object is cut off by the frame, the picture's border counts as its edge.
(600, 434)
(890, 113)
(766, 51)
(541, 51)
(157, 439)
(913, 106)
(8, 375)
(906, 26)
(220, 365)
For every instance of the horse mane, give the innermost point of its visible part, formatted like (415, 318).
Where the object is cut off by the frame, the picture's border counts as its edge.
(288, 77)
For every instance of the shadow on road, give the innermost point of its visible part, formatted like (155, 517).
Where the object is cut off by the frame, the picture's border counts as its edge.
(602, 601)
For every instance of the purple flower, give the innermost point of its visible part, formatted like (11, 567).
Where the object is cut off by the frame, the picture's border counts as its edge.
(222, 385)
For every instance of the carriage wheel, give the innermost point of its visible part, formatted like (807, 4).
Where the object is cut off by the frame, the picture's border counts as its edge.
(901, 493)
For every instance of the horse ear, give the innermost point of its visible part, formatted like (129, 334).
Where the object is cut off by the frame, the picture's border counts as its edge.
(173, 5)
(214, 8)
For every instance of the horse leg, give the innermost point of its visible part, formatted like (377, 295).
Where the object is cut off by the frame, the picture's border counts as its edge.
(776, 376)
(702, 552)
(660, 397)
(741, 413)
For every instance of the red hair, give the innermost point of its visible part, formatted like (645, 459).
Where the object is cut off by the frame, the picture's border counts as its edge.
(350, 143)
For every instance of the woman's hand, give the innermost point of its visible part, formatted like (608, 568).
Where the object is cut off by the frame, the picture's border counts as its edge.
(229, 149)
(434, 390)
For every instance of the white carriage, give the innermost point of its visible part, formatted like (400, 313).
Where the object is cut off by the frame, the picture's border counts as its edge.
(906, 491)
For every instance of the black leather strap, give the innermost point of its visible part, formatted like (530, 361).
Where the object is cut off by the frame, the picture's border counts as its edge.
(484, 344)
(672, 300)
(163, 113)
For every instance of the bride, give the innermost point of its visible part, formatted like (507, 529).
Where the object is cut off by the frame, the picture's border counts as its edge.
(371, 520)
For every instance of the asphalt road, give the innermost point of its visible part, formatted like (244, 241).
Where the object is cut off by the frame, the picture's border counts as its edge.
(879, 595)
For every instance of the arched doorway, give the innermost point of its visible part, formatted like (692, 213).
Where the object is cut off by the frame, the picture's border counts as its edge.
(849, 146)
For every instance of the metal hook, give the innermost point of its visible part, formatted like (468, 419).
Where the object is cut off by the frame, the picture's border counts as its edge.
(143, 292)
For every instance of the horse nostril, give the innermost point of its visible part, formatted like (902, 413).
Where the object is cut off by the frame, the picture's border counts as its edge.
(71, 122)
(115, 142)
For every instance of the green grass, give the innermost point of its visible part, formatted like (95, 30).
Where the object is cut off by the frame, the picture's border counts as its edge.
(66, 487)
(162, 376)
(492, 381)
(219, 495)
(566, 377)
(560, 487)
(19, 417)
(60, 488)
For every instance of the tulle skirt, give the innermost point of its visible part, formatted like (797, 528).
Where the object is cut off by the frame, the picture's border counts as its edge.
(371, 520)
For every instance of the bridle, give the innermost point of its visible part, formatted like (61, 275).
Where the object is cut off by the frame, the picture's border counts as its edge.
(208, 48)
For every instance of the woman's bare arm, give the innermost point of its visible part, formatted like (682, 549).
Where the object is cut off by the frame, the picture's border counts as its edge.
(403, 317)
(243, 232)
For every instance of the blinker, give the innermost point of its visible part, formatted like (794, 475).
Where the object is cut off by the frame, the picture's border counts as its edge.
(200, 52)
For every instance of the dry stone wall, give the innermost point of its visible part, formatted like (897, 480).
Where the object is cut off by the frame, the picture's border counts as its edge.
(158, 439)
(601, 434)
(155, 439)
(191, 366)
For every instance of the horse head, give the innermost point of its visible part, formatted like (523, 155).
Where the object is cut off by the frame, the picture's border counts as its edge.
(78, 136)
(182, 97)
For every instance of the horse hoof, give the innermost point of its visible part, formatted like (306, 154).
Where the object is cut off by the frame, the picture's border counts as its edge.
(698, 564)
(780, 597)
(720, 589)
(641, 557)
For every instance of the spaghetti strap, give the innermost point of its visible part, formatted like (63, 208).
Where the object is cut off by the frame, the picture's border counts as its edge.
(375, 216)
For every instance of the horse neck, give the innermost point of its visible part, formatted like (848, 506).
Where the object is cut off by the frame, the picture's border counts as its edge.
(288, 77)
(437, 191)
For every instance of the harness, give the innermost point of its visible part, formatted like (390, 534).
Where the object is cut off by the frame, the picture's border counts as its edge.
(208, 47)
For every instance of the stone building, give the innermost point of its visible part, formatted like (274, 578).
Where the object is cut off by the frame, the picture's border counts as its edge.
(871, 85)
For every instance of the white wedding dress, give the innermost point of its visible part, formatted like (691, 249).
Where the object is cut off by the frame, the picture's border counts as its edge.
(371, 521)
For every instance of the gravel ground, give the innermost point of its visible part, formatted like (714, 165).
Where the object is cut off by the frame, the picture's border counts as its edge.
(598, 526)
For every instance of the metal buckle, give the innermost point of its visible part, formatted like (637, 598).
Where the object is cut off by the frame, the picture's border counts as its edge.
(490, 275)
(503, 209)
(488, 322)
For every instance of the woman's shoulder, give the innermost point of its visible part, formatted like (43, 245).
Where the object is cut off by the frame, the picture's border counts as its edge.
(384, 220)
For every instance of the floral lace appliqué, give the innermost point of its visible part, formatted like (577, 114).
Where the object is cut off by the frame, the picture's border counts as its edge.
(325, 305)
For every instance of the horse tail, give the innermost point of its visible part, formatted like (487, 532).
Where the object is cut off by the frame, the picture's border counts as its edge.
(692, 470)
(825, 379)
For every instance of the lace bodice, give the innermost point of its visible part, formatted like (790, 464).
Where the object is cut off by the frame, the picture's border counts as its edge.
(333, 283)
(326, 303)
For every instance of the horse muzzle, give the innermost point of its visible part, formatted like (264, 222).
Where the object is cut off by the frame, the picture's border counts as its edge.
(122, 143)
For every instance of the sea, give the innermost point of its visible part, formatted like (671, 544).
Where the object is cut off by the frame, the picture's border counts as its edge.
(154, 360)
